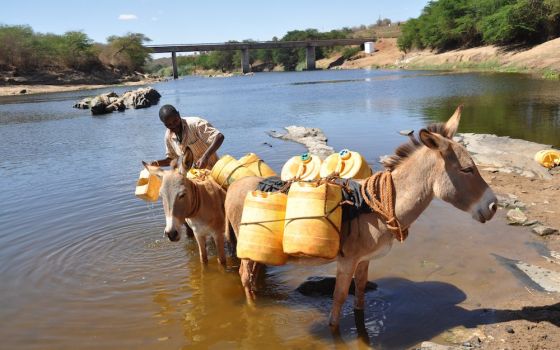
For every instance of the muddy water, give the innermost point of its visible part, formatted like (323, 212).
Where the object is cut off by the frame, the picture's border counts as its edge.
(83, 263)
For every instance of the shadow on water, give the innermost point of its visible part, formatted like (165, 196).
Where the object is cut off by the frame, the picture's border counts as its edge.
(210, 309)
(402, 313)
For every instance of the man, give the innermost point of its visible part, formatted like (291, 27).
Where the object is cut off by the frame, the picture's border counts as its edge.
(190, 137)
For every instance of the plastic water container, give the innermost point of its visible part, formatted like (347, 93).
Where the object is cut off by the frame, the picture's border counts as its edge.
(227, 170)
(313, 219)
(347, 164)
(147, 187)
(549, 158)
(262, 228)
(256, 165)
(306, 167)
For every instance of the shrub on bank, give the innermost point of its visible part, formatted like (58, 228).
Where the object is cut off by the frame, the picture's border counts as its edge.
(450, 24)
(25, 50)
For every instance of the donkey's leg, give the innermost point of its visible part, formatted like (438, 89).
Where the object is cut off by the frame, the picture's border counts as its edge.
(344, 271)
(245, 270)
(201, 240)
(219, 241)
(360, 281)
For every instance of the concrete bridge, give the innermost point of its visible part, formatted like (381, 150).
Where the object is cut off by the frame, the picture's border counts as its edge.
(310, 46)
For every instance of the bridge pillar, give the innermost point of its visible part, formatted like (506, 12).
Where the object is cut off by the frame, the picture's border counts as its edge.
(245, 66)
(174, 61)
(310, 57)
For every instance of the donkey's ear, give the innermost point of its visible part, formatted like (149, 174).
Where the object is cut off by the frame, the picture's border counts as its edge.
(154, 170)
(453, 123)
(434, 141)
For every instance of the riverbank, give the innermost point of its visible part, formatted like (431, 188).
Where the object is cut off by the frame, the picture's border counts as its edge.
(11, 90)
(542, 60)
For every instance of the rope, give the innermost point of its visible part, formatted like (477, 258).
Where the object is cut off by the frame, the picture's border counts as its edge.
(378, 192)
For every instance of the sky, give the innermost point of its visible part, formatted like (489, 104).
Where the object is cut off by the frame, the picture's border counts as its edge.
(213, 21)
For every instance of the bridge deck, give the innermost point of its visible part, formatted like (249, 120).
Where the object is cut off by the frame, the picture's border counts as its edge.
(256, 45)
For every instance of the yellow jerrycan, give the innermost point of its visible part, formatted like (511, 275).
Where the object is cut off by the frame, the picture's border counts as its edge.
(347, 164)
(252, 162)
(313, 219)
(262, 228)
(147, 187)
(227, 170)
(306, 167)
(549, 158)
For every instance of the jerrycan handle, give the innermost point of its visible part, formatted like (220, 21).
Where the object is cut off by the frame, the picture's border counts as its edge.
(343, 155)
(304, 158)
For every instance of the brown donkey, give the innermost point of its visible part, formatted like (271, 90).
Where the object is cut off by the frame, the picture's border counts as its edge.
(436, 166)
(200, 203)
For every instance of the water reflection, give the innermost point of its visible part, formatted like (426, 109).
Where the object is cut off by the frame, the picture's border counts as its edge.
(82, 261)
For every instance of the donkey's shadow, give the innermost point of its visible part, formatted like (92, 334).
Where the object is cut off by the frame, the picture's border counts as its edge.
(402, 313)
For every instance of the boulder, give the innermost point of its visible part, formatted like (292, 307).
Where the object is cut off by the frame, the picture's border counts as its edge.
(83, 104)
(141, 98)
(99, 104)
(110, 102)
(312, 138)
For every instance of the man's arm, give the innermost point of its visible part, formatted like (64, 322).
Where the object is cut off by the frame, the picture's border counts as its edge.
(203, 161)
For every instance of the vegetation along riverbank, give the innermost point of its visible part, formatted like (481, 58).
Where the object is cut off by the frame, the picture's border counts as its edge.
(507, 36)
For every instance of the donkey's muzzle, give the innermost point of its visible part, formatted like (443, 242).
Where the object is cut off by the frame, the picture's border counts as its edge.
(173, 235)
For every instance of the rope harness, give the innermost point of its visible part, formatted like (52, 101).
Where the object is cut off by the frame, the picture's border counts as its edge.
(378, 191)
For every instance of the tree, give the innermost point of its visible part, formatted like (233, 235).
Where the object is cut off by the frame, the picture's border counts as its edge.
(126, 52)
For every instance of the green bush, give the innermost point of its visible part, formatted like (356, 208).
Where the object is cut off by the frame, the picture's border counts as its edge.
(448, 24)
(126, 52)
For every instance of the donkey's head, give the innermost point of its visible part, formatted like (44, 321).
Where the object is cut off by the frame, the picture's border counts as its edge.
(453, 175)
(179, 199)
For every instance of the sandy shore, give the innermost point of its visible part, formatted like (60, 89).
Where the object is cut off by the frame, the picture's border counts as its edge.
(10, 90)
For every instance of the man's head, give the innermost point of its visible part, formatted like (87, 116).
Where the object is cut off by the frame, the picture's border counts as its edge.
(170, 117)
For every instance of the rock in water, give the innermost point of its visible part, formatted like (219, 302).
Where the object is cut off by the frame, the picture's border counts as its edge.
(110, 102)
(83, 104)
(324, 286)
(98, 105)
(141, 98)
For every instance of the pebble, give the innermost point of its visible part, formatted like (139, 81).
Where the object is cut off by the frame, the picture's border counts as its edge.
(543, 230)
(510, 330)
(516, 217)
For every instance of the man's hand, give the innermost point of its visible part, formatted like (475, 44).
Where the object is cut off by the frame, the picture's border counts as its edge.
(201, 163)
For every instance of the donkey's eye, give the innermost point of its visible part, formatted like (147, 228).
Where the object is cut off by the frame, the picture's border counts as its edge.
(181, 195)
(468, 170)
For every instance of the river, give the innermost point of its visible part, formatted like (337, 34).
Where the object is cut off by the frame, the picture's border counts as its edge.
(83, 262)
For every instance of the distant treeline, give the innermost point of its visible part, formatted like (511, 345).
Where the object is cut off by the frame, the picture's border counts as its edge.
(25, 50)
(450, 24)
(289, 59)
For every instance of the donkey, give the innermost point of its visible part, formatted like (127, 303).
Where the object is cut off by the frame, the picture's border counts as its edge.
(199, 202)
(436, 166)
